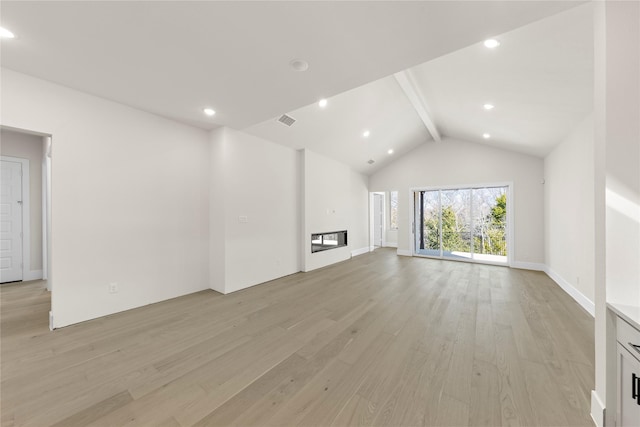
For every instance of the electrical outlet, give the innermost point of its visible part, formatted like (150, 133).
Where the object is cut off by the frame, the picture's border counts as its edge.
(113, 288)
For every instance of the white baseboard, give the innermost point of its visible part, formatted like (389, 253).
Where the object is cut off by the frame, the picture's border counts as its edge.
(372, 248)
(597, 409)
(404, 252)
(535, 266)
(578, 296)
(391, 245)
(360, 251)
(32, 275)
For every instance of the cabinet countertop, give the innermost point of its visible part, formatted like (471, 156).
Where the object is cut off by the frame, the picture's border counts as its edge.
(630, 313)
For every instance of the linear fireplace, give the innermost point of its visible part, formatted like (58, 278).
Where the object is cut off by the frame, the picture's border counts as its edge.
(325, 241)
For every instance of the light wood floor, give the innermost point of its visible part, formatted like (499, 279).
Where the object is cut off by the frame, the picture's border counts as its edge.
(378, 340)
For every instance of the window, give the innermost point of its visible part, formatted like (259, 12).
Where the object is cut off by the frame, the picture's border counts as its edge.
(393, 210)
(462, 223)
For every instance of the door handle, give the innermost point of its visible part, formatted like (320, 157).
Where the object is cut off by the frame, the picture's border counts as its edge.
(635, 385)
(19, 202)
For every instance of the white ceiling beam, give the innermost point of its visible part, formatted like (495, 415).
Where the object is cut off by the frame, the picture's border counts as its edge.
(408, 84)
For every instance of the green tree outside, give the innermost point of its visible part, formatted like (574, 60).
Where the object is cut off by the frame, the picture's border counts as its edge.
(452, 231)
(489, 236)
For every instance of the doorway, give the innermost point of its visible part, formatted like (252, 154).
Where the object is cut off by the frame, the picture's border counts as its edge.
(25, 205)
(466, 224)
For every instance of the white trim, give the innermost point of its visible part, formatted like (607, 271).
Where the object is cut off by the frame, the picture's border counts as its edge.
(47, 212)
(511, 228)
(46, 208)
(360, 251)
(407, 83)
(26, 213)
(535, 266)
(391, 245)
(32, 275)
(461, 186)
(578, 296)
(372, 248)
(404, 252)
(412, 218)
(597, 409)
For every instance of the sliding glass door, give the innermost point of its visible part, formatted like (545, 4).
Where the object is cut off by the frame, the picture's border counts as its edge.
(462, 223)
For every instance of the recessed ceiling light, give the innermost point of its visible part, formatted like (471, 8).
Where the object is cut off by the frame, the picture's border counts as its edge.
(488, 106)
(209, 111)
(322, 103)
(390, 151)
(486, 136)
(299, 64)
(491, 43)
(366, 134)
(6, 34)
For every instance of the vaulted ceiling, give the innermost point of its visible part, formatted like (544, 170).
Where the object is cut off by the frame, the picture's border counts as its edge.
(174, 58)
(539, 81)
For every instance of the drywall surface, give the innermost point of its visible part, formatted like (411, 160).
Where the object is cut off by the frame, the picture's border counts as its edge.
(326, 207)
(130, 199)
(617, 185)
(258, 198)
(569, 209)
(217, 238)
(260, 210)
(453, 163)
(30, 147)
(623, 153)
(359, 228)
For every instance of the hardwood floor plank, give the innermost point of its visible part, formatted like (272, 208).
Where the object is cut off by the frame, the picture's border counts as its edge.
(96, 411)
(514, 399)
(484, 407)
(376, 340)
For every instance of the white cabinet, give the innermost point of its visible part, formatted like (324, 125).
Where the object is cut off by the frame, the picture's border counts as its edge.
(628, 361)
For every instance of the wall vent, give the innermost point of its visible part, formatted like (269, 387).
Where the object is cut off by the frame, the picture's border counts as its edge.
(371, 161)
(286, 120)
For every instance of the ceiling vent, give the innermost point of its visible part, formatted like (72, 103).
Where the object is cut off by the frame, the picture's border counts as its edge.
(286, 120)
(371, 161)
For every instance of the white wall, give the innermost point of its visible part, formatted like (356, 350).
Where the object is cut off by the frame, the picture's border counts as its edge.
(30, 147)
(260, 185)
(326, 207)
(129, 199)
(359, 221)
(569, 212)
(623, 153)
(453, 162)
(217, 215)
(617, 184)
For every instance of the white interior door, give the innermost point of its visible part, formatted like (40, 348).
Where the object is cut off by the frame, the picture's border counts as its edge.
(10, 221)
(378, 218)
